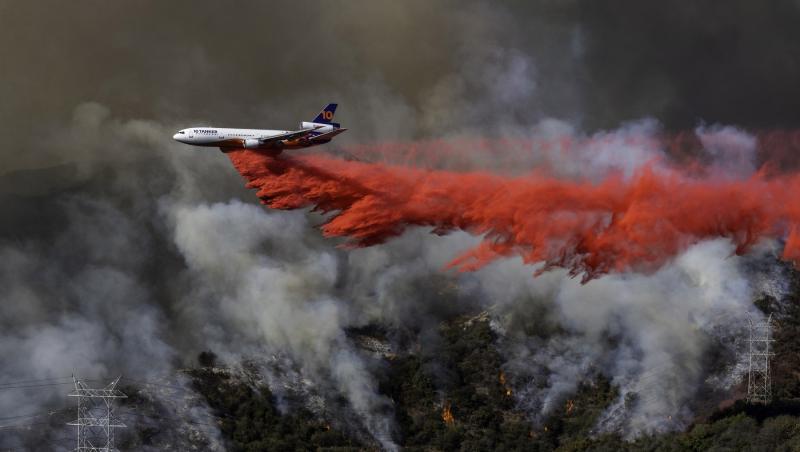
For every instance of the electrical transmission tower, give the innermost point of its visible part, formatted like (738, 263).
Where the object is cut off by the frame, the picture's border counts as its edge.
(759, 384)
(96, 421)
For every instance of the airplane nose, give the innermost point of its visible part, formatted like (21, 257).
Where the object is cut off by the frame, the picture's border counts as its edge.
(176, 137)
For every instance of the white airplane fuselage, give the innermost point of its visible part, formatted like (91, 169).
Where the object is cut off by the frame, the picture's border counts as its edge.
(237, 138)
(321, 131)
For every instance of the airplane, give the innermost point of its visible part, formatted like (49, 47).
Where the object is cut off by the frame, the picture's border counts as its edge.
(320, 130)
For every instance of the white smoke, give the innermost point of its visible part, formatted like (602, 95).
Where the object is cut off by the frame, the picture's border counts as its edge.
(733, 151)
(650, 334)
(280, 297)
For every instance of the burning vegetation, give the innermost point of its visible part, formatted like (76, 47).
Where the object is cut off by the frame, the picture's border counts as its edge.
(447, 414)
(468, 355)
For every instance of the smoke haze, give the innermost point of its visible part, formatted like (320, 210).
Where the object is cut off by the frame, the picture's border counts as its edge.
(126, 253)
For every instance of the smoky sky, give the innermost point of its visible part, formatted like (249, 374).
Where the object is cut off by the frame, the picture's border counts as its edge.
(257, 63)
(731, 62)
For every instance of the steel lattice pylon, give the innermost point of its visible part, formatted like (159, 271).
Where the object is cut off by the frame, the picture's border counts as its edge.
(759, 384)
(96, 421)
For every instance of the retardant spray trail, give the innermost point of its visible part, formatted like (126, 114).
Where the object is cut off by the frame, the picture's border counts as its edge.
(590, 229)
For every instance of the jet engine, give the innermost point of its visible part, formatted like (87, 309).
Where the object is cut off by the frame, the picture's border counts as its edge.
(323, 128)
(251, 143)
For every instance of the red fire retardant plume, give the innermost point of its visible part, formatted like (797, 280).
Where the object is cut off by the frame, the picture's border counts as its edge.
(590, 229)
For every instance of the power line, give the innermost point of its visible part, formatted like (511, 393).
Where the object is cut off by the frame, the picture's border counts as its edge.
(153, 422)
(102, 419)
(16, 426)
(147, 383)
(162, 416)
(35, 386)
(40, 414)
(34, 381)
(54, 412)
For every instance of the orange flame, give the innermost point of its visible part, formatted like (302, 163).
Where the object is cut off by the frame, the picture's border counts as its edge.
(502, 379)
(570, 406)
(447, 415)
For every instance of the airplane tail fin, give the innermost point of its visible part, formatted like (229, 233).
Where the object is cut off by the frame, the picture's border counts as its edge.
(326, 115)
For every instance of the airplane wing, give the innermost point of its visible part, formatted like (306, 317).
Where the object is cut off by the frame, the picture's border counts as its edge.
(327, 136)
(288, 135)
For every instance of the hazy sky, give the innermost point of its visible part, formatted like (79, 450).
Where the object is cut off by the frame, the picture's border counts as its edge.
(256, 63)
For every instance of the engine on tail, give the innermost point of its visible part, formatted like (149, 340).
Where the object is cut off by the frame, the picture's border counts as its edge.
(322, 128)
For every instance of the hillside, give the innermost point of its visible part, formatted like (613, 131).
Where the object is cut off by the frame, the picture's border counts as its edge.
(473, 408)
